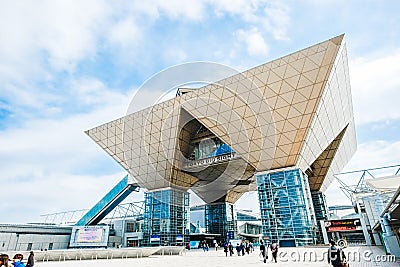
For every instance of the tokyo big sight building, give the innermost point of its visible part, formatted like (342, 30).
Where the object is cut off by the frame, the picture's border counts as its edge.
(282, 128)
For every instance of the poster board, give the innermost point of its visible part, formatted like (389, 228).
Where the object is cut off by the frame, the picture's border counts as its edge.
(89, 236)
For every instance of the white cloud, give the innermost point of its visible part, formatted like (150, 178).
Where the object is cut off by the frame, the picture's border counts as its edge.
(176, 9)
(190, 10)
(175, 55)
(243, 8)
(277, 19)
(69, 32)
(375, 87)
(39, 41)
(52, 164)
(42, 38)
(255, 43)
(126, 34)
(270, 16)
(93, 92)
(375, 154)
(49, 144)
(63, 30)
(55, 192)
(264, 20)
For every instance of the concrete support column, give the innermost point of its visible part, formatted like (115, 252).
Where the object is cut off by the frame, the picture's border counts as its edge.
(324, 232)
(364, 226)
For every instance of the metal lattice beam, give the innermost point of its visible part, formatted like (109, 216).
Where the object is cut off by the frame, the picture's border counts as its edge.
(361, 186)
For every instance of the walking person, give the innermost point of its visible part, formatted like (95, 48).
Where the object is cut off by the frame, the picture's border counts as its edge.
(230, 247)
(31, 260)
(4, 260)
(226, 249)
(17, 260)
(247, 247)
(238, 247)
(263, 251)
(242, 248)
(336, 255)
(274, 250)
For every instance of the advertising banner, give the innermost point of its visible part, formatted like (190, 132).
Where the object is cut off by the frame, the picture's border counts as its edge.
(89, 236)
(343, 225)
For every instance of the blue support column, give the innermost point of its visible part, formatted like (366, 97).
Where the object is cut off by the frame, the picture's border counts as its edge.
(220, 218)
(166, 218)
(286, 207)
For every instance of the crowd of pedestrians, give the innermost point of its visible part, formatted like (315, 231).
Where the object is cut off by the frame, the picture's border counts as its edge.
(16, 261)
(336, 256)
(247, 247)
(241, 248)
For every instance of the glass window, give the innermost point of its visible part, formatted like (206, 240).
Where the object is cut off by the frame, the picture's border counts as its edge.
(130, 227)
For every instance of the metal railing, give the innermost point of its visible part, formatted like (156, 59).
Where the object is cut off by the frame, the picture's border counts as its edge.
(97, 254)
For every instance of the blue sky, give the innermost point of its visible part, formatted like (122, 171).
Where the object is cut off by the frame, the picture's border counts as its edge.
(67, 66)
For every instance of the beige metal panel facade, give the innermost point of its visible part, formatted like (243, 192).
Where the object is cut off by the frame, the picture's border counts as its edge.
(333, 125)
(293, 111)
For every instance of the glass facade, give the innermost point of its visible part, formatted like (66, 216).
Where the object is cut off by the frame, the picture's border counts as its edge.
(321, 212)
(286, 208)
(246, 217)
(210, 147)
(220, 218)
(166, 219)
(250, 229)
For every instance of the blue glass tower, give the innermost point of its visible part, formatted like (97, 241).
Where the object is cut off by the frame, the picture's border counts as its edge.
(286, 207)
(221, 218)
(166, 219)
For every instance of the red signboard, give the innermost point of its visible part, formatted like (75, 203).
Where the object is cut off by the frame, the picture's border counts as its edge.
(343, 225)
(341, 228)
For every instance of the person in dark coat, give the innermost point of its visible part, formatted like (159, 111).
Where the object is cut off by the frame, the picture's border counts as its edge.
(230, 247)
(242, 248)
(31, 260)
(248, 247)
(335, 255)
(238, 247)
(4, 260)
(226, 249)
(263, 251)
(274, 250)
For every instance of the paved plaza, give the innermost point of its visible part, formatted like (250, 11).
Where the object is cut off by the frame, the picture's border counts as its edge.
(360, 257)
